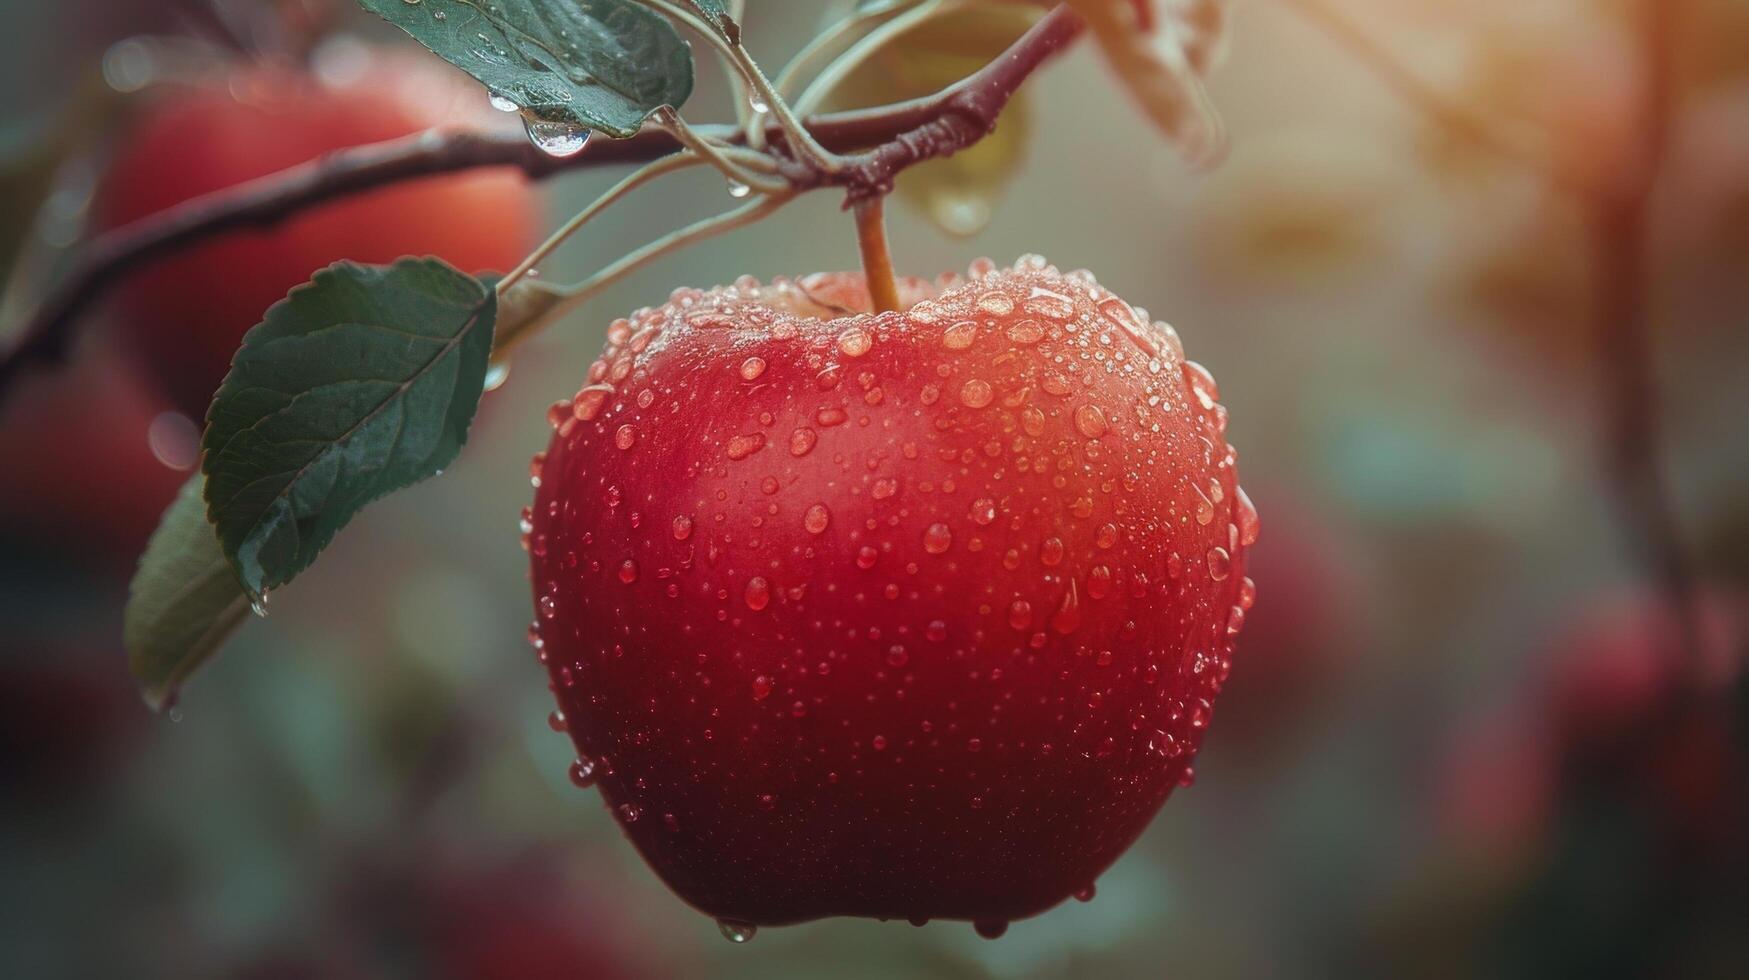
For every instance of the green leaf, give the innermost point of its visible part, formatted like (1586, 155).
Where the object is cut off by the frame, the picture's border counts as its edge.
(358, 383)
(184, 600)
(604, 64)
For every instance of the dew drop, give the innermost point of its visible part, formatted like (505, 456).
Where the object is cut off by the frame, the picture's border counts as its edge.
(555, 137)
(587, 405)
(960, 336)
(736, 931)
(1026, 332)
(1106, 536)
(816, 519)
(855, 342)
(582, 773)
(1099, 582)
(1054, 305)
(995, 303)
(991, 928)
(937, 538)
(1090, 421)
(976, 393)
(1249, 524)
(743, 446)
(983, 511)
(682, 527)
(758, 593)
(752, 368)
(802, 440)
(1051, 552)
(1220, 564)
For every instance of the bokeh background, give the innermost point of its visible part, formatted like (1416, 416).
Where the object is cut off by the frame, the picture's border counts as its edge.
(1450, 746)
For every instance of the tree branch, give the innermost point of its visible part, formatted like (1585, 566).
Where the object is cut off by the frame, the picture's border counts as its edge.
(883, 142)
(1441, 108)
(1618, 214)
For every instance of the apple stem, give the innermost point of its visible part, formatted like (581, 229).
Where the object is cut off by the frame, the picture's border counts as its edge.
(877, 260)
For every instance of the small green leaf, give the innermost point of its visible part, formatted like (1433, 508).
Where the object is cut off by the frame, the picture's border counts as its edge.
(604, 64)
(184, 600)
(360, 382)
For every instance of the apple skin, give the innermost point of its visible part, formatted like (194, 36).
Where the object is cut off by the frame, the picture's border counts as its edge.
(917, 615)
(185, 315)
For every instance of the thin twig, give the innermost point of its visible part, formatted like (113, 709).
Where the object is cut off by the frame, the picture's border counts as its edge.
(956, 117)
(834, 74)
(1619, 216)
(890, 138)
(829, 40)
(633, 181)
(575, 296)
(1440, 107)
(717, 154)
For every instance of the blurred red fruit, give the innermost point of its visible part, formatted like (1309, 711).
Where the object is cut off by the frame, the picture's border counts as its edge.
(186, 314)
(1296, 640)
(427, 911)
(83, 477)
(66, 716)
(1621, 708)
(917, 615)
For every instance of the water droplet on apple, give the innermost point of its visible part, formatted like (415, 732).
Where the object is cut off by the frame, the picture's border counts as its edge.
(736, 931)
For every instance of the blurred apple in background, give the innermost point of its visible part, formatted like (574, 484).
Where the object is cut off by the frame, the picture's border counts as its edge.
(1298, 637)
(451, 916)
(185, 315)
(93, 457)
(68, 715)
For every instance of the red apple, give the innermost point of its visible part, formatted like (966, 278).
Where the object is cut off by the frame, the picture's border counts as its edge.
(186, 314)
(913, 615)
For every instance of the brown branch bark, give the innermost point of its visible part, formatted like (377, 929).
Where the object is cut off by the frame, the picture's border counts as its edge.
(881, 141)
